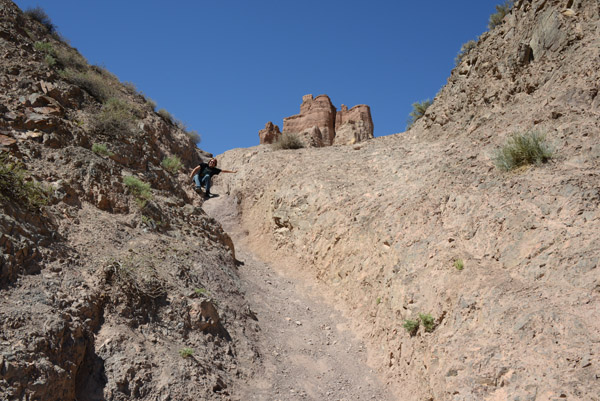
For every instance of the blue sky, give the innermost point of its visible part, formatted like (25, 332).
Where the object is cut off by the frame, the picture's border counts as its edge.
(225, 68)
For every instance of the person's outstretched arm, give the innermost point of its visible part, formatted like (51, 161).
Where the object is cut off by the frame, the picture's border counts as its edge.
(194, 171)
(228, 171)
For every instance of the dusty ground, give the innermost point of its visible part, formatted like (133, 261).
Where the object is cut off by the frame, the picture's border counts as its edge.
(308, 349)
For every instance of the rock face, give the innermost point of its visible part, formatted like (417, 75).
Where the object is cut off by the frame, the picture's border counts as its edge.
(320, 124)
(270, 134)
(386, 228)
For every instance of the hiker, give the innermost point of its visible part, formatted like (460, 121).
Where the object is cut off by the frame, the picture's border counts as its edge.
(203, 174)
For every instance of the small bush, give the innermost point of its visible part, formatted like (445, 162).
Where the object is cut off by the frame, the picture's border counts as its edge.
(464, 50)
(419, 109)
(201, 291)
(194, 136)
(151, 103)
(17, 185)
(522, 149)
(71, 58)
(44, 47)
(411, 326)
(94, 83)
(49, 60)
(165, 115)
(38, 14)
(101, 149)
(428, 322)
(186, 352)
(501, 11)
(459, 264)
(116, 118)
(172, 164)
(141, 190)
(288, 141)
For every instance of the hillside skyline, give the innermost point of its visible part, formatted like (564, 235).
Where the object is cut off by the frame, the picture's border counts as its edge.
(226, 69)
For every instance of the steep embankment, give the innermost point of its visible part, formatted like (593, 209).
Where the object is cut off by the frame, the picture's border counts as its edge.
(382, 223)
(117, 285)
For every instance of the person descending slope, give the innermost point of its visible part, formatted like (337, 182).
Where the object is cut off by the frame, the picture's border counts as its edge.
(203, 174)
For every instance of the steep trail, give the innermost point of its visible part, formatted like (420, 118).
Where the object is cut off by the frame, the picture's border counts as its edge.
(308, 349)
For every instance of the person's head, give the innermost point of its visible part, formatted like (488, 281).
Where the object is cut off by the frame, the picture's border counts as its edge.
(212, 162)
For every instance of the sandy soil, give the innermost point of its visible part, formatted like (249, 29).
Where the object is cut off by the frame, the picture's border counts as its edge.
(309, 350)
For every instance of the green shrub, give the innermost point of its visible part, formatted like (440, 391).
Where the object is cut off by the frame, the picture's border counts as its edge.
(94, 83)
(288, 141)
(172, 164)
(71, 59)
(522, 149)
(141, 190)
(411, 326)
(428, 322)
(165, 115)
(16, 184)
(38, 14)
(116, 118)
(202, 291)
(101, 149)
(186, 352)
(459, 264)
(151, 103)
(464, 50)
(501, 11)
(419, 109)
(50, 60)
(44, 47)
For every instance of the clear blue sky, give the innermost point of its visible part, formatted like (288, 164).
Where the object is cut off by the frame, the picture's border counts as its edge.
(225, 68)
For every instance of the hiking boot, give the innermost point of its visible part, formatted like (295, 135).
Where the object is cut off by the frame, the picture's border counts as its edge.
(198, 190)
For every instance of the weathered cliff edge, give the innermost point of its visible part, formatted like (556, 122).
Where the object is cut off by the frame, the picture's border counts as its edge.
(384, 227)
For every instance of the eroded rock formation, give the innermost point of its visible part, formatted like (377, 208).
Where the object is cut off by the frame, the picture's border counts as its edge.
(320, 124)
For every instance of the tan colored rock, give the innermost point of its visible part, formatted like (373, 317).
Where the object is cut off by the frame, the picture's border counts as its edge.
(270, 134)
(316, 112)
(354, 125)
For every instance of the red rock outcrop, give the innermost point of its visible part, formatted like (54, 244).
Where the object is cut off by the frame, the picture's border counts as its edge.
(270, 134)
(354, 125)
(320, 124)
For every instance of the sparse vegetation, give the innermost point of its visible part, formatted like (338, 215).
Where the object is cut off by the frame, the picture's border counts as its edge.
(288, 141)
(116, 118)
(141, 190)
(186, 352)
(172, 164)
(411, 326)
(428, 322)
(44, 47)
(194, 136)
(151, 103)
(419, 109)
(522, 149)
(16, 184)
(501, 11)
(38, 14)
(71, 58)
(201, 291)
(165, 115)
(94, 83)
(464, 50)
(101, 149)
(459, 264)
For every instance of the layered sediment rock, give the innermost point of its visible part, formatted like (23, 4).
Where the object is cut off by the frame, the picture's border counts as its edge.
(320, 124)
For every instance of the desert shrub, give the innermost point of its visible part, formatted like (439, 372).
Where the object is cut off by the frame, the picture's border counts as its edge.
(201, 292)
(117, 118)
(17, 184)
(71, 58)
(141, 190)
(522, 149)
(464, 50)
(165, 115)
(459, 264)
(419, 109)
(194, 136)
(501, 11)
(94, 83)
(44, 47)
(411, 326)
(101, 149)
(288, 141)
(186, 352)
(428, 322)
(172, 164)
(38, 14)
(50, 60)
(151, 103)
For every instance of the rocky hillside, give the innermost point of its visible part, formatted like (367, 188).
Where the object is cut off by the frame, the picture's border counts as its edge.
(114, 283)
(498, 271)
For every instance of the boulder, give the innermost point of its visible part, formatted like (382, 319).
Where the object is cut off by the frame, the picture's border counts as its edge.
(354, 125)
(314, 112)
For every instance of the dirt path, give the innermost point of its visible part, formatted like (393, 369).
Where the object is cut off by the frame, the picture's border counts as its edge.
(309, 351)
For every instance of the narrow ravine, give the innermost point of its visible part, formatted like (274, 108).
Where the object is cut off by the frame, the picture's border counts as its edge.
(308, 349)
